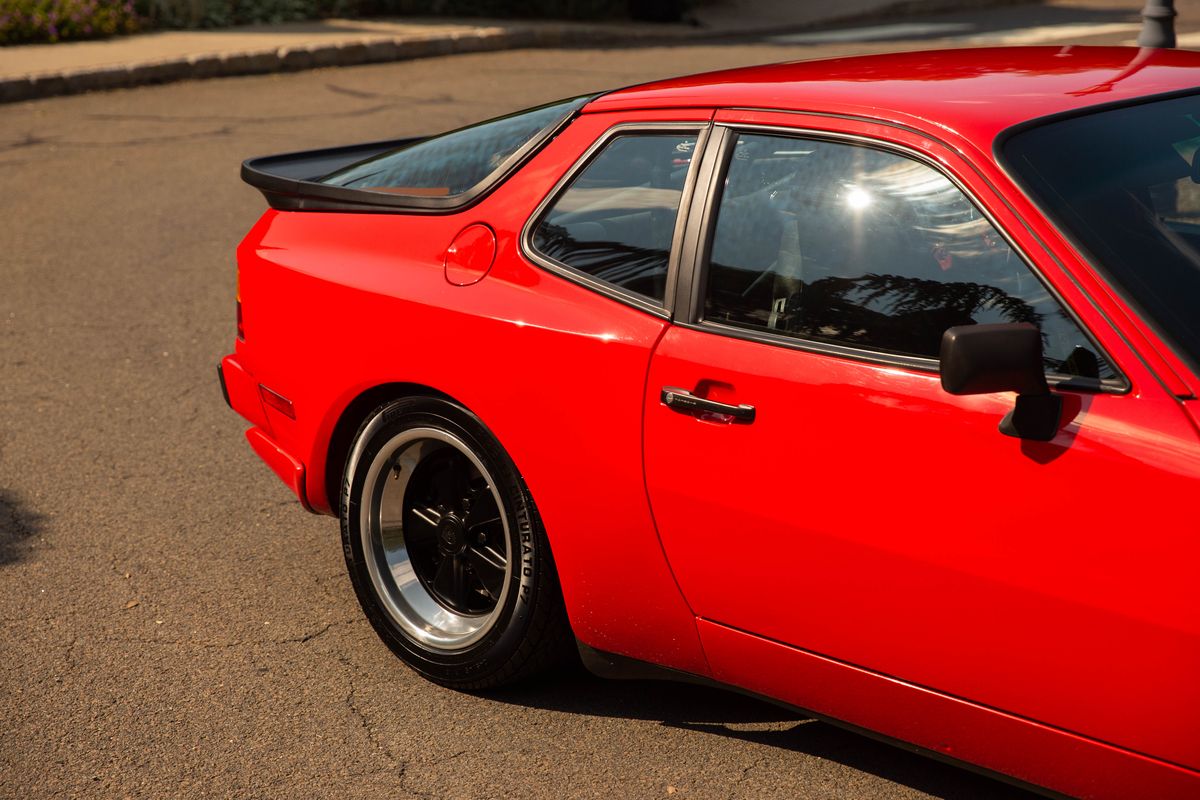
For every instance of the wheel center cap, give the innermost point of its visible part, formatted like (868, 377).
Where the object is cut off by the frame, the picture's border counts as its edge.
(450, 535)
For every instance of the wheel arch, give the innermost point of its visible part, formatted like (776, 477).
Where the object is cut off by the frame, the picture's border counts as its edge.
(352, 417)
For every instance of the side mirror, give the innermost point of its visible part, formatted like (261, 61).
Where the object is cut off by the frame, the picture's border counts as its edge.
(981, 359)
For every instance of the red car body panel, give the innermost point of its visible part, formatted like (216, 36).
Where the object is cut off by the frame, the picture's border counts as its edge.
(866, 506)
(350, 277)
(939, 723)
(953, 558)
(971, 95)
(901, 566)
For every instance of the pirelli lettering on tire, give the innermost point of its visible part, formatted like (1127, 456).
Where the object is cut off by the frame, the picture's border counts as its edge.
(434, 515)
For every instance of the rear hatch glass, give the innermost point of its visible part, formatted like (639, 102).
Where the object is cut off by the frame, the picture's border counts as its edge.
(458, 162)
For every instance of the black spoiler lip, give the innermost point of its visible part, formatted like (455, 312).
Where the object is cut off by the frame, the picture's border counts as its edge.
(288, 181)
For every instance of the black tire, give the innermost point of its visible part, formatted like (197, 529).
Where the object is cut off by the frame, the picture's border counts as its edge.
(487, 626)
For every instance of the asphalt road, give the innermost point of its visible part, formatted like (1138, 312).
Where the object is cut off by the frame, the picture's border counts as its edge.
(173, 623)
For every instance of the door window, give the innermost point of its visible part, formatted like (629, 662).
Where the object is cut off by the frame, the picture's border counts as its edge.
(861, 247)
(616, 219)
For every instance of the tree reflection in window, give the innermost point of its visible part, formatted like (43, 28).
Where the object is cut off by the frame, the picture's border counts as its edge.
(638, 269)
(893, 312)
(616, 220)
(866, 248)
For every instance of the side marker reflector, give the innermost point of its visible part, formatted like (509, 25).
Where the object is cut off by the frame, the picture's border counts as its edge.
(277, 401)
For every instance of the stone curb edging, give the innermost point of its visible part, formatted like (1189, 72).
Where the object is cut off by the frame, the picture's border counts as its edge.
(381, 49)
(291, 59)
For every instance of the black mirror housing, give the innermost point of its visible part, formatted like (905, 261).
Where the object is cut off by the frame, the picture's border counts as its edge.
(981, 359)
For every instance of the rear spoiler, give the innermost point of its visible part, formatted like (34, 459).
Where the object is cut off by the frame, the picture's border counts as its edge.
(292, 181)
(289, 181)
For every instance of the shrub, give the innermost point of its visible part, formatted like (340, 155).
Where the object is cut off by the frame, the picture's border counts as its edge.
(223, 13)
(56, 20)
(556, 9)
(219, 13)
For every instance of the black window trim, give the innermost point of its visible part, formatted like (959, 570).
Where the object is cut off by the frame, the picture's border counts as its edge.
(702, 129)
(689, 299)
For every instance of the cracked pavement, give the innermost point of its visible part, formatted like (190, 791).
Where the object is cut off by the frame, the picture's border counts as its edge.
(172, 623)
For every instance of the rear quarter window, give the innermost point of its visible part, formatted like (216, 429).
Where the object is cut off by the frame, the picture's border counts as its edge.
(616, 219)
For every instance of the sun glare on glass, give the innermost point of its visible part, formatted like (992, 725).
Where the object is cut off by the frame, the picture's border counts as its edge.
(857, 198)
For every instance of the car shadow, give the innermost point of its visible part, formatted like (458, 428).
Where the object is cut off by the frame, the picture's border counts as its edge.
(713, 711)
(18, 526)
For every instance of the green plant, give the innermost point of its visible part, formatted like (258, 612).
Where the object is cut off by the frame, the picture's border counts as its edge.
(557, 9)
(223, 13)
(24, 21)
(59, 20)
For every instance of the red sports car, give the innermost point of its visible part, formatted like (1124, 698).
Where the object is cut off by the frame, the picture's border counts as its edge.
(866, 385)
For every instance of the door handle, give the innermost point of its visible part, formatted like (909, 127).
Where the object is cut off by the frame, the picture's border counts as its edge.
(687, 403)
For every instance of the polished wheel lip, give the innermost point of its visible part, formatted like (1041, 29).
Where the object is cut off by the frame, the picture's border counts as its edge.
(403, 596)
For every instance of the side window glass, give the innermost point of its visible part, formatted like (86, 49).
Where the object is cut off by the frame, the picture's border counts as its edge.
(616, 219)
(861, 247)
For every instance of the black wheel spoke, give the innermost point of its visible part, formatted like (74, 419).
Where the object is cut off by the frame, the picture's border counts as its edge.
(489, 534)
(489, 566)
(462, 481)
(454, 531)
(471, 503)
(450, 581)
(423, 522)
(445, 482)
(430, 528)
(487, 522)
(482, 508)
(420, 533)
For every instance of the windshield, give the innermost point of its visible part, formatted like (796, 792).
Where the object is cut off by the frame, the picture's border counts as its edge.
(454, 163)
(1125, 183)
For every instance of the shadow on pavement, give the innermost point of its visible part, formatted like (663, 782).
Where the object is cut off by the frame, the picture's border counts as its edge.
(713, 711)
(18, 525)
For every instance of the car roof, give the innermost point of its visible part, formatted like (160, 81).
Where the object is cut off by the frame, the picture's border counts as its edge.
(975, 93)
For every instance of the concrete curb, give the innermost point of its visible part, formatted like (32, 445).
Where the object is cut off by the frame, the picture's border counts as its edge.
(381, 49)
(289, 59)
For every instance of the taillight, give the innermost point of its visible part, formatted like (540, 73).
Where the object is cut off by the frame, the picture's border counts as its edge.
(241, 331)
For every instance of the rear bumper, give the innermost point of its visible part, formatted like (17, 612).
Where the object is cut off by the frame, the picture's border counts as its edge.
(244, 395)
(224, 390)
(289, 469)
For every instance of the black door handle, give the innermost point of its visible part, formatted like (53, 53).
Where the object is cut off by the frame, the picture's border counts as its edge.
(684, 401)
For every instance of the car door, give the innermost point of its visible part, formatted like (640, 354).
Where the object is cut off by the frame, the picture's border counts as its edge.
(813, 484)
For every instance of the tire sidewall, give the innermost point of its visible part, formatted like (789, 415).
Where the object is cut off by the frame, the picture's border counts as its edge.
(527, 552)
